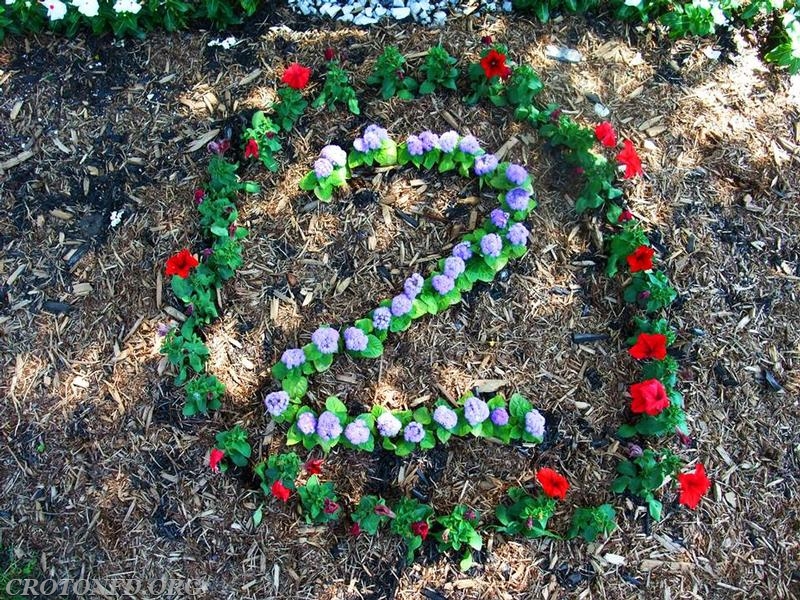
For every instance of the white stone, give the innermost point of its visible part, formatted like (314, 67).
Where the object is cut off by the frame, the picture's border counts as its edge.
(380, 11)
(363, 19)
(401, 13)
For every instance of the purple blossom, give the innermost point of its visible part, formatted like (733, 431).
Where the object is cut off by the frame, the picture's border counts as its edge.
(414, 432)
(163, 329)
(401, 305)
(372, 141)
(293, 357)
(442, 284)
(485, 164)
(518, 199)
(445, 416)
(534, 423)
(453, 266)
(429, 140)
(499, 218)
(326, 339)
(448, 141)
(307, 423)
(517, 234)
(328, 426)
(357, 432)
(360, 145)
(381, 317)
(323, 168)
(414, 146)
(499, 416)
(335, 154)
(276, 403)
(516, 174)
(463, 250)
(207, 252)
(476, 411)
(491, 245)
(355, 340)
(413, 285)
(469, 145)
(388, 425)
(377, 131)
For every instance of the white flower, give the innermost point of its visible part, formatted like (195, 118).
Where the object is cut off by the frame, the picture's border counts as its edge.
(127, 6)
(88, 8)
(56, 10)
(116, 217)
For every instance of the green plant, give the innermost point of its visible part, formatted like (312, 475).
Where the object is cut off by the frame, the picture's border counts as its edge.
(389, 73)
(521, 88)
(411, 523)
(319, 501)
(203, 393)
(235, 445)
(12, 570)
(457, 530)
(590, 522)
(644, 475)
(787, 52)
(650, 290)
(486, 77)
(185, 350)
(440, 71)
(337, 89)
(371, 513)
(289, 108)
(622, 244)
(261, 140)
(526, 515)
(283, 467)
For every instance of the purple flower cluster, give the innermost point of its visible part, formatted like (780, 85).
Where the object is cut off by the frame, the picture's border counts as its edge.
(448, 141)
(485, 164)
(454, 266)
(534, 423)
(463, 250)
(518, 199)
(357, 432)
(499, 416)
(476, 411)
(293, 357)
(517, 234)
(414, 146)
(442, 284)
(446, 417)
(381, 318)
(413, 285)
(374, 136)
(328, 426)
(499, 218)
(430, 141)
(491, 245)
(335, 154)
(276, 403)
(388, 425)
(401, 305)
(469, 145)
(307, 423)
(355, 340)
(326, 339)
(414, 432)
(516, 174)
(323, 168)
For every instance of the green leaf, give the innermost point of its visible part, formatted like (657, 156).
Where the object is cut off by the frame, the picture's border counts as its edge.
(654, 507)
(258, 515)
(309, 182)
(335, 405)
(295, 385)
(323, 363)
(181, 287)
(279, 371)
(374, 347)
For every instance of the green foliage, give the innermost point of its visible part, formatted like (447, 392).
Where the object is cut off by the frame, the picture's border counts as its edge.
(650, 290)
(235, 445)
(482, 87)
(389, 74)
(283, 467)
(526, 515)
(319, 501)
(265, 133)
(544, 9)
(667, 422)
(12, 569)
(185, 350)
(457, 530)
(290, 107)
(787, 52)
(439, 70)
(407, 512)
(323, 187)
(371, 513)
(623, 244)
(384, 156)
(591, 522)
(644, 475)
(203, 393)
(337, 90)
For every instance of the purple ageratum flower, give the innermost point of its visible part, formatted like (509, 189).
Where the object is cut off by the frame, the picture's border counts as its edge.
(413, 285)
(499, 218)
(276, 403)
(446, 417)
(534, 423)
(326, 339)
(442, 284)
(469, 145)
(293, 358)
(323, 168)
(491, 245)
(381, 317)
(414, 146)
(401, 305)
(414, 432)
(328, 426)
(429, 140)
(357, 432)
(355, 340)
(388, 425)
(485, 164)
(307, 423)
(516, 174)
(517, 234)
(163, 329)
(454, 266)
(518, 199)
(476, 411)
(360, 145)
(463, 250)
(335, 154)
(378, 131)
(499, 416)
(448, 141)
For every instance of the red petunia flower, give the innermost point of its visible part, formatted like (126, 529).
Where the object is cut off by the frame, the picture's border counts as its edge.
(649, 397)
(631, 160)
(420, 528)
(355, 530)
(384, 511)
(329, 506)
(494, 65)
(554, 484)
(649, 345)
(181, 263)
(329, 53)
(641, 259)
(296, 76)
(486, 40)
(313, 466)
(214, 459)
(251, 149)
(280, 491)
(625, 216)
(693, 486)
(199, 195)
(605, 134)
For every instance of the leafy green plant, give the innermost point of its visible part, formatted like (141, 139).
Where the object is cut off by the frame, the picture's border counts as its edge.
(486, 77)
(400, 445)
(323, 187)
(787, 52)
(591, 522)
(650, 290)
(261, 140)
(521, 88)
(319, 501)
(185, 350)
(203, 393)
(371, 513)
(289, 108)
(337, 90)
(390, 75)
(283, 467)
(411, 523)
(644, 475)
(457, 531)
(622, 244)
(439, 70)
(235, 445)
(526, 515)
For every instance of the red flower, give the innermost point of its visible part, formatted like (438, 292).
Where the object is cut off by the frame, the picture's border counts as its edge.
(329, 506)
(554, 484)
(649, 345)
(631, 160)
(641, 259)
(649, 397)
(199, 194)
(251, 149)
(494, 65)
(181, 263)
(329, 53)
(384, 511)
(420, 528)
(313, 466)
(280, 491)
(486, 40)
(296, 76)
(355, 529)
(214, 459)
(625, 216)
(693, 486)
(605, 134)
